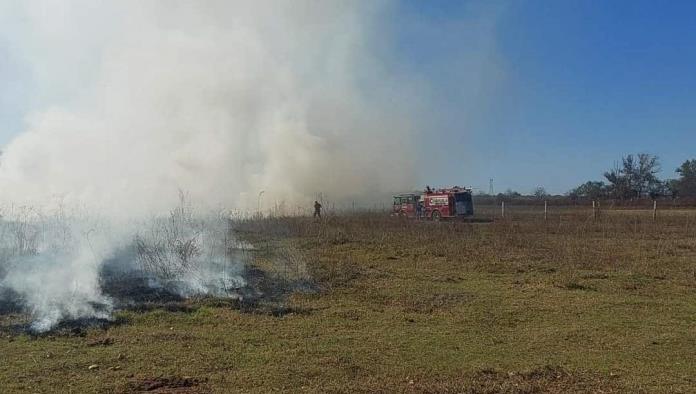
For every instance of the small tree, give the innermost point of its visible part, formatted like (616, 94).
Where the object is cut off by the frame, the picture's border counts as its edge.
(635, 177)
(539, 192)
(645, 174)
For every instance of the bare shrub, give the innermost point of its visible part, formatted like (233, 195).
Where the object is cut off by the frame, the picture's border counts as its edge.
(171, 246)
(190, 249)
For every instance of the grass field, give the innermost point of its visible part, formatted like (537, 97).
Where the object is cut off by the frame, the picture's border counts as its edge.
(368, 303)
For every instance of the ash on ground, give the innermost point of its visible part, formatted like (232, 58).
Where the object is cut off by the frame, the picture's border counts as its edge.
(235, 282)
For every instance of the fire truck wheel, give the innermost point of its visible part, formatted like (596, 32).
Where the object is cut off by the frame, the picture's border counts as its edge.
(435, 215)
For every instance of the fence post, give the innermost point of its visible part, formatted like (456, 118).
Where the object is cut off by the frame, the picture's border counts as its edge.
(654, 210)
(502, 209)
(546, 210)
(594, 210)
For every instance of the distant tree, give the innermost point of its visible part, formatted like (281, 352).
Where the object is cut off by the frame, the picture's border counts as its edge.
(539, 192)
(635, 177)
(687, 169)
(672, 187)
(512, 193)
(686, 184)
(661, 189)
(645, 174)
(619, 185)
(590, 190)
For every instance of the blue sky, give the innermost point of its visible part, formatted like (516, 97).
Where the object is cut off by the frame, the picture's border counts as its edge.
(528, 93)
(577, 85)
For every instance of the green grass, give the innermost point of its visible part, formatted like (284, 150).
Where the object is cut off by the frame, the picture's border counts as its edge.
(510, 306)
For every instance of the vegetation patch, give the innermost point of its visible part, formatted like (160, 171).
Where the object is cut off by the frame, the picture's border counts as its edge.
(404, 306)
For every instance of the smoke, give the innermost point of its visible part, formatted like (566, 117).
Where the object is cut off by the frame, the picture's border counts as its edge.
(133, 101)
(52, 263)
(219, 98)
(56, 263)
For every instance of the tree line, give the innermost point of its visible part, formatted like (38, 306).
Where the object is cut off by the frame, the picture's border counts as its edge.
(635, 177)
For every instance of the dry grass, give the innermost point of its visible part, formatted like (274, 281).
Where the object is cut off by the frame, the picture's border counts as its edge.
(514, 306)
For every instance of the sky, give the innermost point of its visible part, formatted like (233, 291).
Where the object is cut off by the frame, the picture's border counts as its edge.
(527, 93)
(577, 84)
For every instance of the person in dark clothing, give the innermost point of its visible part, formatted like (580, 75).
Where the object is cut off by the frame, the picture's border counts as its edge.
(317, 209)
(419, 208)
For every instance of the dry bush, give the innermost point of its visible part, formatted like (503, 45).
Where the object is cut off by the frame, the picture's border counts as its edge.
(184, 244)
(171, 246)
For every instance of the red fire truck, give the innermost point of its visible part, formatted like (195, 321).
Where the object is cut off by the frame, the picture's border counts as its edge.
(435, 204)
(407, 204)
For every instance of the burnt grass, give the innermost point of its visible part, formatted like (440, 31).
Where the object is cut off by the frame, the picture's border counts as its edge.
(264, 292)
(10, 302)
(132, 290)
(368, 303)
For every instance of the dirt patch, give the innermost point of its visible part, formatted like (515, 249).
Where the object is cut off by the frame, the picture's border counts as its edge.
(107, 341)
(174, 384)
(574, 285)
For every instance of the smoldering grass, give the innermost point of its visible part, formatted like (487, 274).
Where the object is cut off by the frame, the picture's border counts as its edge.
(50, 260)
(189, 253)
(65, 265)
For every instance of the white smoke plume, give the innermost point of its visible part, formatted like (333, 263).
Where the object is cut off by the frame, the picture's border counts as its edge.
(135, 100)
(52, 262)
(219, 98)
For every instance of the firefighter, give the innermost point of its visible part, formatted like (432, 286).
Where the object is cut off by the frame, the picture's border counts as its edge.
(317, 209)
